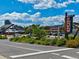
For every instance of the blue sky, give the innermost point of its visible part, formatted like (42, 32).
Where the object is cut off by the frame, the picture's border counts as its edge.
(43, 12)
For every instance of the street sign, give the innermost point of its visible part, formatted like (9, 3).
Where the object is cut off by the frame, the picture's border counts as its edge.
(68, 23)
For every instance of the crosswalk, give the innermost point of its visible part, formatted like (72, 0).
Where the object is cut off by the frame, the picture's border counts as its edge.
(66, 56)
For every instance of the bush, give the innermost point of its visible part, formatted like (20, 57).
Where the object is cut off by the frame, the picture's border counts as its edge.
(3, 37)
(38, 42)
(45, 41)
(72, 43)
(60, 42)
(26, 40)
(32, 41)
(77, 38)
(23, 40)
(15, 39)
(53, 42)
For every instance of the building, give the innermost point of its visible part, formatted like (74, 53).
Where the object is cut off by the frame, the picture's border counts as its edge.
(55, 29)
(9, 28)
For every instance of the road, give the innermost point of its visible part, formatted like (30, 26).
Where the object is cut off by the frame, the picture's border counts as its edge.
(12, 50)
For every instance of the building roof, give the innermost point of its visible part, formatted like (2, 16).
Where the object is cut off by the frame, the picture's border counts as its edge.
(11, 28)
(5, 27)
(56, 26)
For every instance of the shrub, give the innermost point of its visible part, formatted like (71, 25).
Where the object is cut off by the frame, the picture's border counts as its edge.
(60, 42)
(18, 39)
(14, 39)
(32, 41)
(3, 37)
(72, 43)
(43, 41)
(22, 39)
(38, 42)
(53, 42)
(77, 38)
(26, 40)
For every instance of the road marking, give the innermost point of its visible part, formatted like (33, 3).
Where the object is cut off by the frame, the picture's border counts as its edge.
(21, 47)
(77, 52)
(68, 57)
(56, 54)
(41, 52)
(65, 56)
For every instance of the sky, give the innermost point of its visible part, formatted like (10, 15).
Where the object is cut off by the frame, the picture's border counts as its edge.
(43, 12)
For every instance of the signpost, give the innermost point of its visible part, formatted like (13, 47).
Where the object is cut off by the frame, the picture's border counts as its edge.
(68, 24)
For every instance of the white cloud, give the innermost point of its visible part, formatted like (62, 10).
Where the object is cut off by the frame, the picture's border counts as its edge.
(35, 19)
(13, 16)
(70, 10)
(28, 1)
(54, 20)
(44, 4)
(35, 16)
(18, 16)
(22, 24)
(76, 18)
(29, 11)
(77, 0)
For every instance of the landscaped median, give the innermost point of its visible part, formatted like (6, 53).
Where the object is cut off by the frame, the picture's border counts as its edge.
(51, 42)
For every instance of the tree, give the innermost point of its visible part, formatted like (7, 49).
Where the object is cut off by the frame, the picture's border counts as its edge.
(36, 31)
(39, 33)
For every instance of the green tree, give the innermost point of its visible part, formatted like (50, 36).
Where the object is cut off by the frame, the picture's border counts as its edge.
(36, 31)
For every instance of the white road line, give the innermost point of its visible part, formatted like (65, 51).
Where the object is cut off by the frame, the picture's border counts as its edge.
(56, 54)
(42, 52)
(68, 57)
(21, 47)
(77, 52)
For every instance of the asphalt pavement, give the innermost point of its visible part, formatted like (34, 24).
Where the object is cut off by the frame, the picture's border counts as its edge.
(12, 50)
